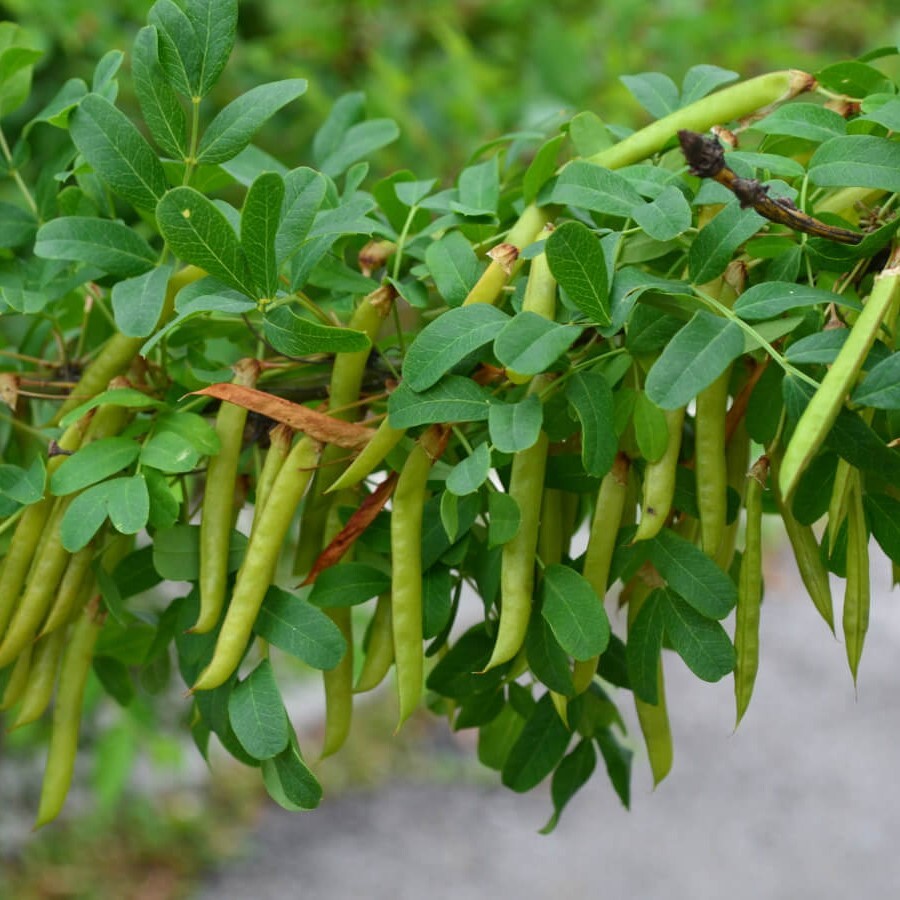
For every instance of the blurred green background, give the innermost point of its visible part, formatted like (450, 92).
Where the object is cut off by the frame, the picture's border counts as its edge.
(455, 73)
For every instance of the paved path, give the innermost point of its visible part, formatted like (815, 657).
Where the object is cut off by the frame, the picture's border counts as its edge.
(802, 802)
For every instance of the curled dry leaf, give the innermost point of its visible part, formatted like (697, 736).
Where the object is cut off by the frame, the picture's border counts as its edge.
(356, 525)
(318, 425)
(434, 441)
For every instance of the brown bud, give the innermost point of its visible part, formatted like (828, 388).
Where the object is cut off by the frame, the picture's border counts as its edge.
(505, 256)
(53, 449)
(374, 255)
(382, 298)
(760, 470)
(487, 374)
(726, 137)
(801, 82)
(843, 107)
(735, 275)
(9, 389)
(834, 320)
(650, 576)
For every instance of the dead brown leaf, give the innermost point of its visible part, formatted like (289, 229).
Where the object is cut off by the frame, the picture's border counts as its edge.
(356, 525)
(317, 425)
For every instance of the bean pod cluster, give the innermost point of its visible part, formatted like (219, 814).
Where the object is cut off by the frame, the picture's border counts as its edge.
(507, 445)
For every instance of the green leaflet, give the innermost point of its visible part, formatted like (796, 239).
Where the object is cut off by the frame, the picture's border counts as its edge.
(437, 600)
(117, 151)
(644, 645)
(290, 782)
(771, 298)
(124, 500)
(667, 216)
(515, 426)
(343, 139)
(195, 42)
(692, 575)
(803, 120)
(453, 266)
(589, 134)
(111, 246)
(650, 428)
(716, 243)
(821, 347)
(291, 623)
(17, 226)
(198, 232)
(656, 92)
(257, 714)
(883, 517)
(853, 78)
(16, 60)
(180, 53)
(260, 219)
(162, 111)
(701, 642)
(130, 397)
(215, 26)
(859, 160)
(701, 80)
(478, 189)
(448, 340)
(766, 162)
(296, 336)
(570, 775)
(449, 512)
(458, 673)
(165, 500)
(453, 399)
(169, 451)
(578, 263)
(347, 584)
(138, 302)
(234, 127)
(304, 191)
(590, 396)
(546, 657)
(24, 486)
(574, 612)
(226, 302)
(92, 463)
(470, 473)
(541, 168)
(191, 426)
(539, 748)
(529, 344)
(617, 757)
(881, 387)
(505, 518)
(693, 359)
(496, 739)
(887, 114)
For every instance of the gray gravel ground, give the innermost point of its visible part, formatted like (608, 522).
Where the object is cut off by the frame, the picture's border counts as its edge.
(800, 803)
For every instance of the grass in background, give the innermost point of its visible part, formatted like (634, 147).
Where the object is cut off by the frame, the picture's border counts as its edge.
(455, 73)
